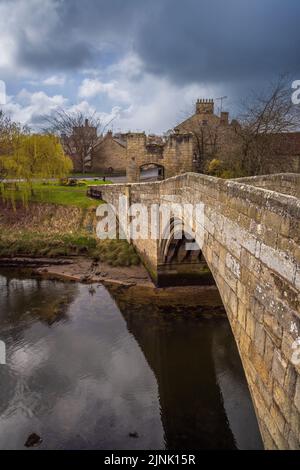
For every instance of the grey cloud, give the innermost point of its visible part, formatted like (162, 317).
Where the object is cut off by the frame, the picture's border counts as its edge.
(48, 56)
(217, 41)
(187, 41)
(82, 31)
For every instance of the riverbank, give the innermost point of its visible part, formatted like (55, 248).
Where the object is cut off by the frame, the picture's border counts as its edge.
(59, 241)
(54, 230)
(130, 285)
(80, 269)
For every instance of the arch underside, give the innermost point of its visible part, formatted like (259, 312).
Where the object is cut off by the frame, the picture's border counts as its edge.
(181, 261)
(151, 172)
(179, 266)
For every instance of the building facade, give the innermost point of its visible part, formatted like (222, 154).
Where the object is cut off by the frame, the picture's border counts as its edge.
(194, 143)
(213, 136)
(109, 154)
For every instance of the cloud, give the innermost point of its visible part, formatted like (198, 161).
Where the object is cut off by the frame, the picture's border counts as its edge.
(93, 87)
(198, 41)
(55, 80)
(148, 59)
(86, 108)
(219, 41)
(157, 105)
(29, 108)
(63, 35)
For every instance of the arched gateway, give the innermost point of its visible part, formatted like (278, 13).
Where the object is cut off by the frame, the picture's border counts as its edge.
(151, 172)
(251, 243)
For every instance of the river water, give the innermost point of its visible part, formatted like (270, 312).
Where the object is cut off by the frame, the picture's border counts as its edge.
(89, 368)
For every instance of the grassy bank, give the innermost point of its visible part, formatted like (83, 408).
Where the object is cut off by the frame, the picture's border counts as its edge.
(58, 221)
(34, 244)
(53, 193)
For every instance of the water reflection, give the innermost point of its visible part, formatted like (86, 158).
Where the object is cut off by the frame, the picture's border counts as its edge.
(205, 402)
(84, 371)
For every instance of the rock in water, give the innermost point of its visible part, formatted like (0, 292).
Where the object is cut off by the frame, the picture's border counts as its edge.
(33, 440)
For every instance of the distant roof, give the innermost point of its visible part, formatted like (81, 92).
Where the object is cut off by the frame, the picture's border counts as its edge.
(118, 139)
(197, 117)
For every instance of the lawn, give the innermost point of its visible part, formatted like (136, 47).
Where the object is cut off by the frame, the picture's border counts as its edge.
(55, 193)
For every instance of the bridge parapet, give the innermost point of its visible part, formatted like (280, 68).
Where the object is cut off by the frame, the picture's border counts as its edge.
(252, 247)
(285, 183)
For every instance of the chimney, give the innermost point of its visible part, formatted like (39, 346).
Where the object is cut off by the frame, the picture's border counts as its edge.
(224, 118)
(205, 106)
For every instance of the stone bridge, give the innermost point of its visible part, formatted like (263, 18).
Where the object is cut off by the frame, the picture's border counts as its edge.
(251, 245)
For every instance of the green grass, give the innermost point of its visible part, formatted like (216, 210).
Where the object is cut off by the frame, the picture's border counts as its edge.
(97, 174)
(54, 193)
(27, 243)
(117, 253)
(23, 241)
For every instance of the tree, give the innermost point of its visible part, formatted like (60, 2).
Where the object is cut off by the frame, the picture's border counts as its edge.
(207, 143)
(25, 157)
(78, 133)
(38, 156)
(266, 119)
(9, 133)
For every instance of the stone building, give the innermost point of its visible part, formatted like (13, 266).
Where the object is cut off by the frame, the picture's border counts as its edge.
(217, 137)
(109, 154)
(135, 152)
(195, 141)
(213, 136)
(171, 156)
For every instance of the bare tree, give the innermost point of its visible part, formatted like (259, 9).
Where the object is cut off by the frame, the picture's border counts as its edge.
(207, 143)
(264, 123)
(78, 132)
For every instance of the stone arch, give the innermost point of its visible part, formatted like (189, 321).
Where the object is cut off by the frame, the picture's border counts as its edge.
(152, 165)
(252, 247)
(180, 257)
(204, 259)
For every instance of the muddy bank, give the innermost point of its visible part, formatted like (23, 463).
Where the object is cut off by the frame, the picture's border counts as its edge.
(130, 285)
(80, 269)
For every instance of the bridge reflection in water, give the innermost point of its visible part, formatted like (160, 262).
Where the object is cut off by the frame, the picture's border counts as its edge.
(205, 401)
(86, 367)
(249, 237)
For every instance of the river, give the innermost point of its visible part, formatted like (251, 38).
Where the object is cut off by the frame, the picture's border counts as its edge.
(89, 367)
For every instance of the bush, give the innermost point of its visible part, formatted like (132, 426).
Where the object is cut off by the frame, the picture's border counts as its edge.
(68, 182)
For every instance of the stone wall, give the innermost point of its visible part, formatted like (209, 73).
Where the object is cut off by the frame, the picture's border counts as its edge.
(285, 183)
(109, 156)
(213, 136)
(252, 246)
(175, 155)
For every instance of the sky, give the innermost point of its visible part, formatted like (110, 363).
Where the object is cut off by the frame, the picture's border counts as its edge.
(142, 63)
